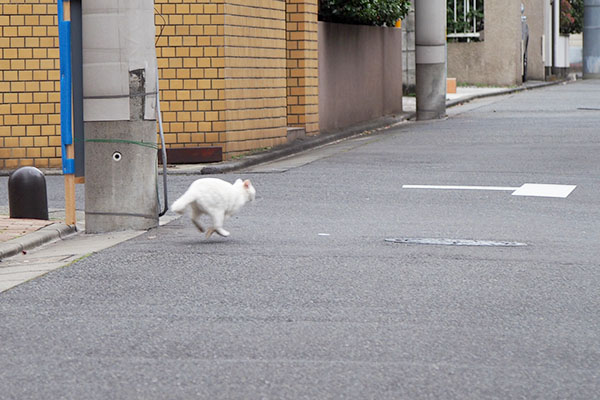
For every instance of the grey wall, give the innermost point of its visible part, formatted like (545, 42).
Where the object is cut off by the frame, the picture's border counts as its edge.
(535, 11)
(409, 76)
(496, 60)
(360, 74)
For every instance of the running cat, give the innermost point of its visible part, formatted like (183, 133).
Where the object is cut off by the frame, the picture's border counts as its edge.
(216, 198)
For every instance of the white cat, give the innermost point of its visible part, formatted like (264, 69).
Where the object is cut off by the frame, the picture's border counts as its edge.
(216, 198)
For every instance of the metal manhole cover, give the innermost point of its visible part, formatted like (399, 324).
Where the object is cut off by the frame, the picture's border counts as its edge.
(455, 242)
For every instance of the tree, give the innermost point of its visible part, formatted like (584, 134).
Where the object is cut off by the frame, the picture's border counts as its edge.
(363, 12)
(571, 16)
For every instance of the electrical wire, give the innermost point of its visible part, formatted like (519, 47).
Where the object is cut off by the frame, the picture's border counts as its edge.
(160, 126)
(162, 27)
(163, 149)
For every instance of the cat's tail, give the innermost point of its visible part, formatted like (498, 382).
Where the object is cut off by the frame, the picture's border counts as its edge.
(181, 203)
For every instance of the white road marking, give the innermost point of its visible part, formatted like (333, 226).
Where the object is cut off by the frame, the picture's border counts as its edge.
(455, 242)
(459, 187)
(528, 189)
(539, 190)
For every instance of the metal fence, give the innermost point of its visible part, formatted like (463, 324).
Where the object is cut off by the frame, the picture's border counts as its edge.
(465, 19)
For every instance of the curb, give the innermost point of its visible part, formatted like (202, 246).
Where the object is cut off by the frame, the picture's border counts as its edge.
(322, 139)
(467, 99)
(297, 146)
(35, 239)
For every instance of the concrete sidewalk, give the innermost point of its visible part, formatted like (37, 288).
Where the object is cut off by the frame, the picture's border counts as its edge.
(18, 235)
(18, 264)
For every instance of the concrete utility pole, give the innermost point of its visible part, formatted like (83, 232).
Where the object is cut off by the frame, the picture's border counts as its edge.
(119, 89)
(430, 46)
(591, 39)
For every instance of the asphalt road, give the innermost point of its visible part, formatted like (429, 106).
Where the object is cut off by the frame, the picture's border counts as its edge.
(306, 299)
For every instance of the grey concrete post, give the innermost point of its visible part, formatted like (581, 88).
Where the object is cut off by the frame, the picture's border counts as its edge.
(555, 34)
(591, 39)
(430, 58)
(119, 72)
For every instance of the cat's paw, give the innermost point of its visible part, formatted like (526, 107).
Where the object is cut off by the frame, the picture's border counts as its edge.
(222, 232)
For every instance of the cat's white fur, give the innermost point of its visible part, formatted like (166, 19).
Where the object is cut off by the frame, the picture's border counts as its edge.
(216, 198)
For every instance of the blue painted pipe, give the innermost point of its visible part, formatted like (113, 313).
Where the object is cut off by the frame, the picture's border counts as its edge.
(66, 118)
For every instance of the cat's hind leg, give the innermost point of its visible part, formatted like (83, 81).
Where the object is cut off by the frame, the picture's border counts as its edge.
(200, 228)
(218, 219)
(196, 214)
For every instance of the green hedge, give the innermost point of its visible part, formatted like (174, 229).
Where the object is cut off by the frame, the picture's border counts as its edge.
(363, 12)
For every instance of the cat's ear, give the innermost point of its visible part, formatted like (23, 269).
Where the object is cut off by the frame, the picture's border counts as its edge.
(247, 184)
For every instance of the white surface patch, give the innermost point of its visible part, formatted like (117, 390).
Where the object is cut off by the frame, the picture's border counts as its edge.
(539, 190)
(528, 189)
(455, 242)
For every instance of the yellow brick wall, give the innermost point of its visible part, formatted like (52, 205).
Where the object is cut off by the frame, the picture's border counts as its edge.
(190, 61)
(303, 65)
(223, 73)
(29, 84)
(255, 75)
(233, 73)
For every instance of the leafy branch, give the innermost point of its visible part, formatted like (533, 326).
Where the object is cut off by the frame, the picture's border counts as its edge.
(363, 12)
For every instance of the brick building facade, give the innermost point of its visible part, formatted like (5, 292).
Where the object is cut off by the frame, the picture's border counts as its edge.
(29, 84)
(234, 74)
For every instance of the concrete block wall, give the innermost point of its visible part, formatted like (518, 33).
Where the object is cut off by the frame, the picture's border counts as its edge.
(409, 73)
(29, 84)
(352, 88)
(495, 61)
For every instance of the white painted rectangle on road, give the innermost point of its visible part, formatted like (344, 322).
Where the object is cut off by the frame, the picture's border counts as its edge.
(541, 190)
(528, 189)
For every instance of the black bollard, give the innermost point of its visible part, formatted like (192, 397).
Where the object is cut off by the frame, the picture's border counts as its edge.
(27, 196)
